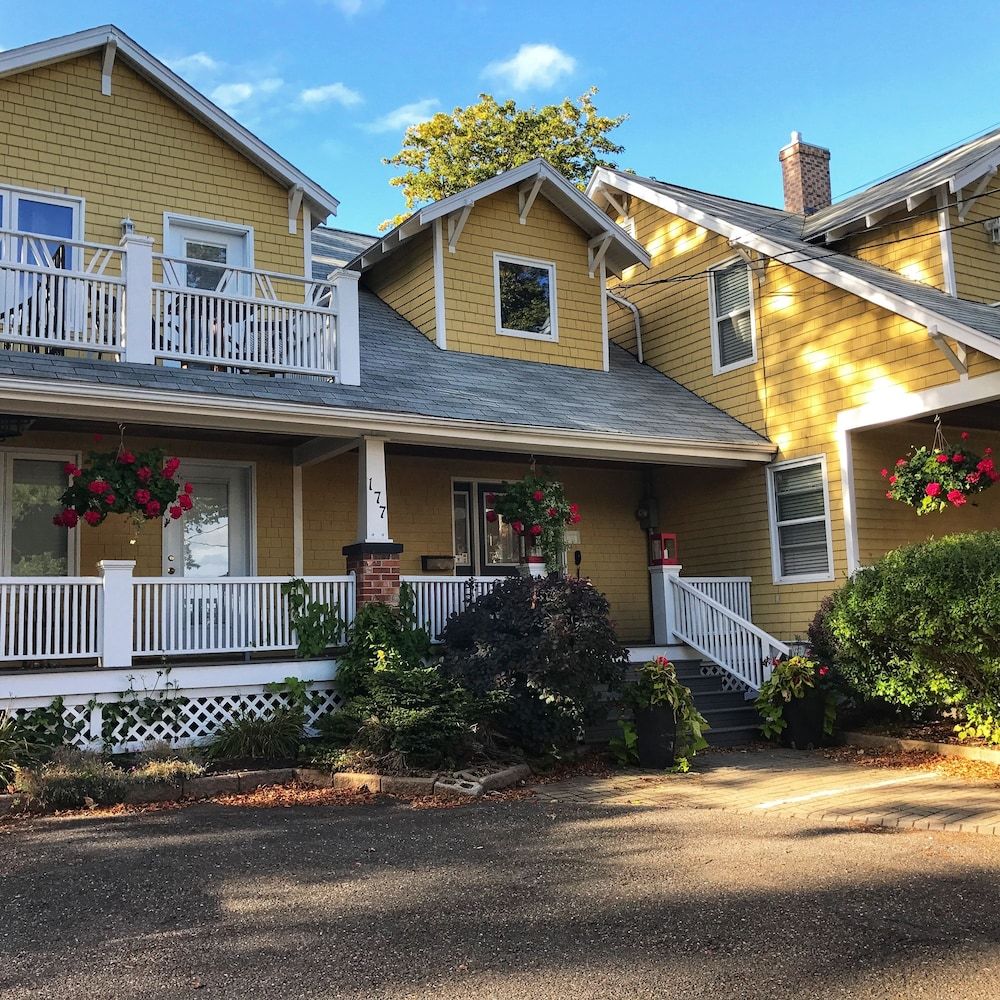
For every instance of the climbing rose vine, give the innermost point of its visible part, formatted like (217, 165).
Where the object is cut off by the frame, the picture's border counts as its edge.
(934, 479)
(143, 486)
(537, 510)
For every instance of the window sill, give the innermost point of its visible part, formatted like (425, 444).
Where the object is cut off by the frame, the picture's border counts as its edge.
(549, 338)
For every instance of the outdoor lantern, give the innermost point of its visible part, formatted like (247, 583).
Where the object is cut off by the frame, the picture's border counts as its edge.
(663, 549)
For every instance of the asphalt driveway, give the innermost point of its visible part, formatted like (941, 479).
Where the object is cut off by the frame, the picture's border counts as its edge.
(518, 899)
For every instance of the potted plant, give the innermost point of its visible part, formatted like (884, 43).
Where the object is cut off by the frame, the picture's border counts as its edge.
(935, 479)
(797, 704)
(538, 512)
(668, 726)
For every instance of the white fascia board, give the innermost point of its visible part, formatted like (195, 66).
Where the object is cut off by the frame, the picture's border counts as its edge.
(818, 268)
(183, 409)
(974, 171)
(68, 46)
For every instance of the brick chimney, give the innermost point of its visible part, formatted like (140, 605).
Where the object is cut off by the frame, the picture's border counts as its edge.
(805, 176)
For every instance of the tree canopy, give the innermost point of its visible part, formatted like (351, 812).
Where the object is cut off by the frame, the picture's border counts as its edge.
(452, 152)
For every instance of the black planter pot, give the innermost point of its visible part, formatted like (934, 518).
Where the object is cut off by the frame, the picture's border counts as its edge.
(804, 719)
(656, 734)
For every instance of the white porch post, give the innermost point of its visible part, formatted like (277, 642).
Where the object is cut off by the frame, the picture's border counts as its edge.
(117, 612)
(373, 498)
(138, 274)
(664, 608)
(345, 285)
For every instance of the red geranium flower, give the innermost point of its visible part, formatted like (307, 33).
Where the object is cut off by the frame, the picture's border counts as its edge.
(900, 462)
(152, 508)
(574, 518)
(885, 472)
(574, 508)
(517, 527)
(185, 501)
(536, 529)
(491, 515)
(965, 435)
(942, 458)
(175, 512)
(888, 495)
(552, 512)
(142, 496)
(189, 488)
(126, 458)
(958, 457)
(109, 498)
(98, 486)
(973, 477)
(92, 517)
(538, 496)
(892, 480)
(932, 489)
(956, 498)
(144, 474)
(72, 470)
(823, 671)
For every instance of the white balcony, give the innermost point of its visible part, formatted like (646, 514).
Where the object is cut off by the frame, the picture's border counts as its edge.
(128, 303)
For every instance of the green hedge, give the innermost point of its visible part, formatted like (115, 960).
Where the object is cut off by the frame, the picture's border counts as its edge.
(920, 630)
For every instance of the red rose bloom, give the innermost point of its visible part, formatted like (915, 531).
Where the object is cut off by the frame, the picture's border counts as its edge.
(144, 474)
(185, 501)
(175, 512)
(126, 458)
(538, 496)
(142, 497)
(942, 458)
(92, 517)
(932, 489)
(109, 498)
(956, 498)
(491, 515)
(72, 470)
(152, 508)
(536, 530)
(517, 527)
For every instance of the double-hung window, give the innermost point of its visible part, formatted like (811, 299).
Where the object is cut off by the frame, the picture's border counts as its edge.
(525, 295)
(801, 550)
(730, 297)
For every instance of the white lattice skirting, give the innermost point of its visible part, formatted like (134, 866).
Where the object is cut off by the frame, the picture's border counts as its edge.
(188, 704)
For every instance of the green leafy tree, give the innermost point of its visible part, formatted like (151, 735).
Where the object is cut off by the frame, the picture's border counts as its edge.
(452, 152)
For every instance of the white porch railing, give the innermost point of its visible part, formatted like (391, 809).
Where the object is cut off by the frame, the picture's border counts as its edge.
(436, 598)
(732, 592)
(231, 615)
(50, 618)
(61, 294)
(253, 319)
(720, 634)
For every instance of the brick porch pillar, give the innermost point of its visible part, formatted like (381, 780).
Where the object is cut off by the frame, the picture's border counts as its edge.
(376, 567)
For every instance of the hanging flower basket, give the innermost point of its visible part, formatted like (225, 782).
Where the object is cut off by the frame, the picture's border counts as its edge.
(937, 478)
(538, 512)
(142, 486)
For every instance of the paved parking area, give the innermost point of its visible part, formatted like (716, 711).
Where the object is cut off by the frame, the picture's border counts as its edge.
(802, 785)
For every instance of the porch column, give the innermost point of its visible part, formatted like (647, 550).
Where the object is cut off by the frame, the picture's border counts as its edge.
(664, 610)
(374, 557)
(138, 274)
(117, 609)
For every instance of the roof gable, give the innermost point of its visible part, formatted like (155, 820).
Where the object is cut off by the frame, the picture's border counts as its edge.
(115, 44)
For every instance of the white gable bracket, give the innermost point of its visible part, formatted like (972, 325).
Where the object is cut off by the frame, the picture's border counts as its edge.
(456, 223)
(956, 356)
(596, 249)
(618, 206)
(526, 195)
(965, 204)
(294, 204)
(110, 50)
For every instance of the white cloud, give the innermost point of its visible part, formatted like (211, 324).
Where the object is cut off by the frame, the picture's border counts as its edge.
(532, 66)
(232, 95)
(403, 117)
(197, 62)
(351, 8)
(330, 93)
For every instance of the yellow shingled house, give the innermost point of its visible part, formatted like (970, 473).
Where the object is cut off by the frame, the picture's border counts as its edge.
(715, 383)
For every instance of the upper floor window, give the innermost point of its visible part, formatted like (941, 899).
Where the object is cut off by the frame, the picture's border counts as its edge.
(525, 292)
(43, 214)
(730, 297)
(801, 547)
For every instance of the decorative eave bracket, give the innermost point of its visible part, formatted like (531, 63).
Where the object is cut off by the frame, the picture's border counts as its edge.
(957, 356)
(108, 65)
(596, 249)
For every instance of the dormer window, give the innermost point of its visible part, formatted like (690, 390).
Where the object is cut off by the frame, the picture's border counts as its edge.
(525, 293)
(730, 301)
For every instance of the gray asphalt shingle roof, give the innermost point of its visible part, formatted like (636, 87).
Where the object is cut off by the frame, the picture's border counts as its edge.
(923, 177)
(336, 247)
(785, 229)
(403, 372)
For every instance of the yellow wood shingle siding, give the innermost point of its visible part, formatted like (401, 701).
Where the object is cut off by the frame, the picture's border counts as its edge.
(405, 281)
(110, 540)
(820, 349)
(909, 246)
(137, 154)
(977, 258)
(470, 309)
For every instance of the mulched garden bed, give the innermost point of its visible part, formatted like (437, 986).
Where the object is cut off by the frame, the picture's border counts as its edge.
(916, 760)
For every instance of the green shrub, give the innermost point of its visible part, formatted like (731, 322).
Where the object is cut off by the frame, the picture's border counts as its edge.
(920, 631)
(20, 746)
(538, 653)
(70, 779)
(260, 737)
(822, 642)
(167, 772)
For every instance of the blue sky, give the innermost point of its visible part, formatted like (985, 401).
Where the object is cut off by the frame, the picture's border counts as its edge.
(713, 89)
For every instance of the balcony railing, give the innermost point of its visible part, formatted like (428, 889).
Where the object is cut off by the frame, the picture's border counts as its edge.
(62, 295)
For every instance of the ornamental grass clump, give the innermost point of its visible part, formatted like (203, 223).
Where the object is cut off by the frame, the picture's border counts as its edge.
(940, 477)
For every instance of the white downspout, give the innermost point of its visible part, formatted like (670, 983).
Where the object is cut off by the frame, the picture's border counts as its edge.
(634, 309)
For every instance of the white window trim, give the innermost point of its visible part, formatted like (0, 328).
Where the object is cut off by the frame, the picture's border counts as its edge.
(772, 518)
(717, 367)
(7, 458)
(75, 202)
(513, 258)
(476, 514)
(209, 226)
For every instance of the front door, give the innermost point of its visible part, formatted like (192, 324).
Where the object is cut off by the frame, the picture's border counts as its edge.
(207, 251)
(483, 546)
(213, 538)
